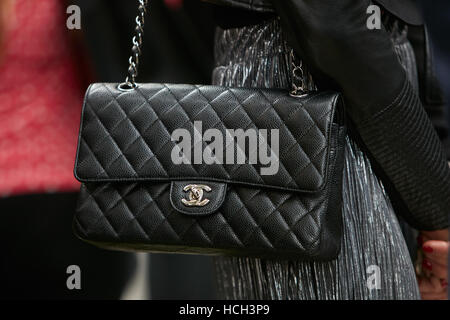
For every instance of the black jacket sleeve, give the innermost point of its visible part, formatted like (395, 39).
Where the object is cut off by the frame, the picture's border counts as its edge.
(431, 93)
(342, 53)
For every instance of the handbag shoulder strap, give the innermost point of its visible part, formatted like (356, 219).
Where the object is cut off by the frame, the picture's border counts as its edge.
(301, 82)
(136, 50)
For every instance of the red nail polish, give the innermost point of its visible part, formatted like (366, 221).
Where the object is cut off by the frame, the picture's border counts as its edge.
(427, 249)
(444, 283)
(427, 264)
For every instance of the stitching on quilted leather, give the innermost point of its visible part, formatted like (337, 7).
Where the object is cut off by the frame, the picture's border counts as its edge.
(135, 216)
(102, 215)
(194, 222)
(190, 120)
(134, 127)
(276, 200)
(99, 142)
(85, 143)
(97, 189)
(130, 214)
(165, 128)
(140, 137)
(164, 217)
(228, 114)
(235, 167)
(93, 195)
(294, 138)
(307, 214)
(286, 224)
(114, 141)
(225, 222)
(243, 206)
(309, 157)
(245, 111)
(261, 223)
(150, 202)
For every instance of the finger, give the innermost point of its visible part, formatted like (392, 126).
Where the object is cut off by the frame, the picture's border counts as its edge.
(430, 285)
(426, 268)
(436, 269)
(436, 250)
(437, 261)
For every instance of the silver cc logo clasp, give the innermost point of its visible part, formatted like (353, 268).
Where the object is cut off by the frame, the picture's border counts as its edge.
(196, 195)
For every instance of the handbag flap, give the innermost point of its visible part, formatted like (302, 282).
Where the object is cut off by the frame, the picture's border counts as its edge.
(130, 136)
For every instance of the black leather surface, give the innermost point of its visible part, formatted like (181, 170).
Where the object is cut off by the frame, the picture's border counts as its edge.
(127, 135)
(131, 194)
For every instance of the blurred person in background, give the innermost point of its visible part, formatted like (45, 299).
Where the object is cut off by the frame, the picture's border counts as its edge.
(41, 88)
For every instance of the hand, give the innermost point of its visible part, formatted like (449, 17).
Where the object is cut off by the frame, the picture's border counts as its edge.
(433, 281)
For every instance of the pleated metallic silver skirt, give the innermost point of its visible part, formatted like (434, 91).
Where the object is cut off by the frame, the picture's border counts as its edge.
(374, 262)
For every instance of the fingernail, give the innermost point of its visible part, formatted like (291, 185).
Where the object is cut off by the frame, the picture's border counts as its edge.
(427, 264)
(444, 283)
(427, 249)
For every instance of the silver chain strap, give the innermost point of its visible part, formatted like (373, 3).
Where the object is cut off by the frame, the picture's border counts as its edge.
(301, 80)
(130, 81)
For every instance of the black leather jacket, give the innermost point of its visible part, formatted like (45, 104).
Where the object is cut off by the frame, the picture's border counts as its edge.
(399, 128)
(406, 10)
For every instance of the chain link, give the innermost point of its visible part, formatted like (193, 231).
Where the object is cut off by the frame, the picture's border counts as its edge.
(298, 76)
(130, 81)
(302, 81)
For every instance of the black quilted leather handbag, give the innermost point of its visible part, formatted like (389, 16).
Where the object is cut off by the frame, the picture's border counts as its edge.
(134, 196)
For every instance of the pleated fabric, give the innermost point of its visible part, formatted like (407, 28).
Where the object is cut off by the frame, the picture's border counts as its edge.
(374, 262)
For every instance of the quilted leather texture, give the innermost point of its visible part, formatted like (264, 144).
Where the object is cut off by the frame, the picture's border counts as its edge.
(124, 162)
(127, 135)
